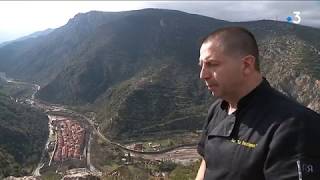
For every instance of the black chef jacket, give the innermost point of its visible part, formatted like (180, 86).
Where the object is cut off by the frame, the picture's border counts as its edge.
(268, 137)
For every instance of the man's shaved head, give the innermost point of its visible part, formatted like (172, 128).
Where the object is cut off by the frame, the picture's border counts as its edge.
(236, 41)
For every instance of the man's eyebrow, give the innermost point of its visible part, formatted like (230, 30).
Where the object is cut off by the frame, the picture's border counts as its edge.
(206, 61)
(202, 61)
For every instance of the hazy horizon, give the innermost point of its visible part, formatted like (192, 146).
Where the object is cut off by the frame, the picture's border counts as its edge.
(24, 18)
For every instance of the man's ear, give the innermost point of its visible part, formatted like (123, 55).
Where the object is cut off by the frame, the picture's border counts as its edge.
(248, 64)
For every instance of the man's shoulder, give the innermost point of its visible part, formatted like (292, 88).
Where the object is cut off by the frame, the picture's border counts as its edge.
(281, 103)
(285, 107)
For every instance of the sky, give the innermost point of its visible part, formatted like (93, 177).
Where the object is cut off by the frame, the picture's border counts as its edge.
(20, 18)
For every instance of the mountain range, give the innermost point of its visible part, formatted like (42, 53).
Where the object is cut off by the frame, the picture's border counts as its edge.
(32, 35)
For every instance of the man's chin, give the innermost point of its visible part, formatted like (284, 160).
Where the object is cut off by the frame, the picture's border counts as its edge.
(215, 94)
(213, 91)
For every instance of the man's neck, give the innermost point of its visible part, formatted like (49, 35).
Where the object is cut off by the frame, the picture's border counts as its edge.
(231, 109)
(250, 85)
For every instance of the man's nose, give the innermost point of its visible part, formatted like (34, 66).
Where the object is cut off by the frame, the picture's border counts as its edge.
(204, 74)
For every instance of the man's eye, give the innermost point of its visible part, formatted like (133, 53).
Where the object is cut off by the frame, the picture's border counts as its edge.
(207, 64)
(211, 64)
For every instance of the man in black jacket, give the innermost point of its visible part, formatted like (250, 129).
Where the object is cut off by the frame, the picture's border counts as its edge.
(252, 131)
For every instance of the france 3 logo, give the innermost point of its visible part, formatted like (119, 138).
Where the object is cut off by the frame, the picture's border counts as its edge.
(296, 19)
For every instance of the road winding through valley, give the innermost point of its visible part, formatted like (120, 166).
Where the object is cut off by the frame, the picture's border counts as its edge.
(181, 154)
